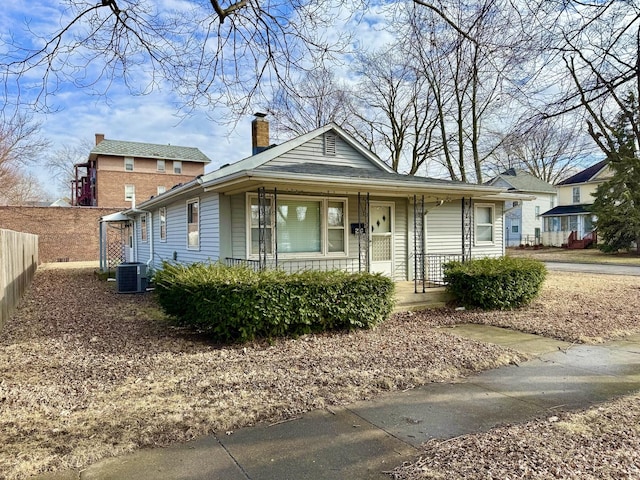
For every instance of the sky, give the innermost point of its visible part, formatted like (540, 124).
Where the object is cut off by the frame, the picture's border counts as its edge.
(153, 118)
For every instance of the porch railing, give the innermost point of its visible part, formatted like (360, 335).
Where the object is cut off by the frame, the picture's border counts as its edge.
(292, 266)
(434, 267)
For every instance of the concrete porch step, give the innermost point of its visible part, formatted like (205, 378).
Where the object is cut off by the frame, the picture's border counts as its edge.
(407, 300)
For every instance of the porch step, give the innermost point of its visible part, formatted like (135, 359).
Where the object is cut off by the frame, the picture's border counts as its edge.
(408, 301)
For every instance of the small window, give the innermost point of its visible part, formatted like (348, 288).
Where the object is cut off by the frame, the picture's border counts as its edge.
(160, 165)
(129, 192)
(163, 223)
(484, 223)
(143, 227)
(336, 226)
(330, 144)
(537, 211)
(515, 203)
(576, 194)
(515, 228)
(177, 167)
(128, 164)
(161, 189)
(193, 224)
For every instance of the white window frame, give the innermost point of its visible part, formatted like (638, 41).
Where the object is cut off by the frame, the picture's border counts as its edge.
(129, 164)
(492, 208)
(324, 227)
(162, 221)
(189, 203)
(160, 165)
(129, 196)
(537, 211)
(177, 167)
(575, 194)
(160, 189)
(144, 225)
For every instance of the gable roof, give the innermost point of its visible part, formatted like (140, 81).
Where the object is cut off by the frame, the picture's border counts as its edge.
(522, 181)
(271, 153)
(122, 148)
(586, 175)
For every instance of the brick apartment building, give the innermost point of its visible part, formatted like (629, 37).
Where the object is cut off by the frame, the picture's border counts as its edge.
(118, 172)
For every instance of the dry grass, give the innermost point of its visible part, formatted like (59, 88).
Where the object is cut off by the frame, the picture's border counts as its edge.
(590, 255)
(574, 307)
(602, 443)
(87, 373)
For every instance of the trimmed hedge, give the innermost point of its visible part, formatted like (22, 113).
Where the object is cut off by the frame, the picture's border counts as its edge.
(495, 283)
(237, 304)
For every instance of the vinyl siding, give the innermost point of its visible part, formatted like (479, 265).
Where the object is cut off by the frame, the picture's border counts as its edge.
(175, 245)
(444, 231)
(313, 152)
(142, 250)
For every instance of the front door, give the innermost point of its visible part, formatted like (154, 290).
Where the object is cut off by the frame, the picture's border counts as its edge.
(382, 228)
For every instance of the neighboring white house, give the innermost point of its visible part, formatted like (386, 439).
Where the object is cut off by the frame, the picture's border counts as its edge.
(572, 216)
(523, 221)
(320, 201)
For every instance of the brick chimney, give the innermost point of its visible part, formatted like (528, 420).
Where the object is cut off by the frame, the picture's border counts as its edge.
(259, 133)
(99, 138)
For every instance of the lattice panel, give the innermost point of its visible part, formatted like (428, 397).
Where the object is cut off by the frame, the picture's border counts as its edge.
(381, 249)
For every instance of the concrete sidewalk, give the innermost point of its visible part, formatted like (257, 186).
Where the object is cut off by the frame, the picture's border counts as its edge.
(365, 439)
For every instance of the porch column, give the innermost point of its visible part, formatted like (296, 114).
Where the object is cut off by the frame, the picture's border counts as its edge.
(467, 228)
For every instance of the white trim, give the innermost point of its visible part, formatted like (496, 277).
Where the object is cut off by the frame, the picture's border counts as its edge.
(130, 160)
(189, 202)
(492, 207)
(324, 253)
(160, 209)
(392, 234)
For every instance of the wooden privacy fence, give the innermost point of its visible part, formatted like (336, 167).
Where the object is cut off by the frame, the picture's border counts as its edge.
(18, 263)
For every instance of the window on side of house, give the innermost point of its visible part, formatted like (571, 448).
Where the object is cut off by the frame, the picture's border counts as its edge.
(143, 227)
(515, 228)
(576, 195)
(537, 211)
(193, 224)
(162, 213)
(161, 189)
(128, 164)
(177, 167)
(306, 226)
(160, 165)
(129, 192)
(484, 223)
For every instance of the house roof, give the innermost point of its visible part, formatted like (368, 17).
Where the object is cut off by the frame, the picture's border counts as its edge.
(252, 172)
(585, 175)
(568, 210)
(255, 161)
(522, 181)
(148, 150)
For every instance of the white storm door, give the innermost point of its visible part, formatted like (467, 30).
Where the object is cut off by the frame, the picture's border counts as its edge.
(382, 228)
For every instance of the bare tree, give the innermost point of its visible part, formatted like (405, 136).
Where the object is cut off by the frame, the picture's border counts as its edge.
(20, 146)
(21, 189)
(60, 163)
(206, 51)
(549, 149)
(467, 54)
(313, 102)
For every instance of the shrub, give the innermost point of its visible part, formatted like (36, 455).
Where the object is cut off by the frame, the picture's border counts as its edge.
(238, 304)
(495, 283)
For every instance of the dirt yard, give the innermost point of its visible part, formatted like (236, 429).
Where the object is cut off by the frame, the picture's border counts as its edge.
(86, 373)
